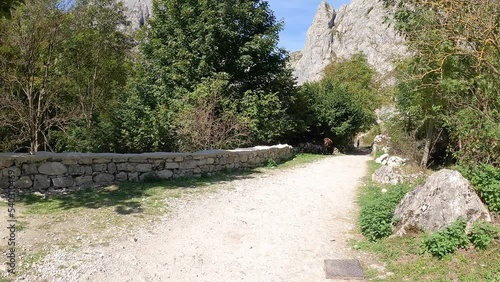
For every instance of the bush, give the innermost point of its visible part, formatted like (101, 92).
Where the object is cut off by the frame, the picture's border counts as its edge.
(377, 211)
(482, 233)
(447, 240)
(486, 180)
(271, 163)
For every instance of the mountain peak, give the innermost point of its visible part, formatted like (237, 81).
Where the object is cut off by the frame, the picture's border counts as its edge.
(354, 28)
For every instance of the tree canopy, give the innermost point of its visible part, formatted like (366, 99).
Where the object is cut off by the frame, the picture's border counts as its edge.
(451, 84)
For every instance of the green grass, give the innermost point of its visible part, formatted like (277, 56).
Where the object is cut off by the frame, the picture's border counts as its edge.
(302, 159)
(137, 197)
(404, 258)
(126, 198)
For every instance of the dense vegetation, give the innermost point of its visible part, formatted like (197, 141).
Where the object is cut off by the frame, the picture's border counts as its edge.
(200, 75)
(449, 89)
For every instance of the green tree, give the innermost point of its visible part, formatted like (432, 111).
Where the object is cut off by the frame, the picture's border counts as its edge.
(61, 68)
(6, 7)
(191, 42)
(94, 56)
(453, 79)
(342, 103)
(358, 77)
(32, 102)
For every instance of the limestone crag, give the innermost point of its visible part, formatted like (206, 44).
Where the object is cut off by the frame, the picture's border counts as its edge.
(317, 51)
(137, 12)
(358, 27)
(445, 197)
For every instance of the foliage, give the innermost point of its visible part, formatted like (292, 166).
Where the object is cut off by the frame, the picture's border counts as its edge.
(31, 99)
(447, 240)
(271, 163)
(210, 123)
(452, 80)
(191, 43)
(6, 7)
(482, 234)
(338, 107)
(377, 210)
(61, 68)
(358, 77)
(486, 180)
(454, 236)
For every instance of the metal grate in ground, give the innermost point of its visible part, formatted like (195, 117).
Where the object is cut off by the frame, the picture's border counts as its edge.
(346, 269)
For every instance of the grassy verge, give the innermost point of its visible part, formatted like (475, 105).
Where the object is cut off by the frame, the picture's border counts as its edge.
(403, 257)
(96, 216)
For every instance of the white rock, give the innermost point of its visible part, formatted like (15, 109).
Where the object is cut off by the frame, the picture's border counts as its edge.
(396, 161)
(445, 197)
(382, 158)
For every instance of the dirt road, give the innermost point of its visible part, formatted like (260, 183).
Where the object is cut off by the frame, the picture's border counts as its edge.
(270, 227)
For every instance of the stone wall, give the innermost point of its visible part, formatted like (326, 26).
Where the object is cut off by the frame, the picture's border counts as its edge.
(50, 173)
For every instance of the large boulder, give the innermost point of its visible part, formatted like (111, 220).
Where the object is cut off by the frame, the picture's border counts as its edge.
(445, 197)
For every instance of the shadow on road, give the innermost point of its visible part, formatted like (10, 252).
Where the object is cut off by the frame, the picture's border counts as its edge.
(361, 151)
(126, 197)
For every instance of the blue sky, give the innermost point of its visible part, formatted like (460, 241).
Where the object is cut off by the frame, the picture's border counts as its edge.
(298, 16)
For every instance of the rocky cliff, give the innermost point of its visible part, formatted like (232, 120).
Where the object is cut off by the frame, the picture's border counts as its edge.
(358, 27)
(138, 12)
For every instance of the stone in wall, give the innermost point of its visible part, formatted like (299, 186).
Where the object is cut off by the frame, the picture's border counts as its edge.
(52, 168)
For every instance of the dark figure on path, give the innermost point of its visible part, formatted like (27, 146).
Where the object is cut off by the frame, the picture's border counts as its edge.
(327, 146)
(357, 145)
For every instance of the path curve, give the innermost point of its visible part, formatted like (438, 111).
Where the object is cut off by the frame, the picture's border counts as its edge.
(272, 227)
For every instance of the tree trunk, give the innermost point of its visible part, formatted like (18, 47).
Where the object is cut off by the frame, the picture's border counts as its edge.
(429, 135)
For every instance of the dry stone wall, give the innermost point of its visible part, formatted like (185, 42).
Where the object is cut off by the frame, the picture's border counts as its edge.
(51, 173)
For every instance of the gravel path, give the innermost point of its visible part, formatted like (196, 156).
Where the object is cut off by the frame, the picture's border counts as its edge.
(270, 227)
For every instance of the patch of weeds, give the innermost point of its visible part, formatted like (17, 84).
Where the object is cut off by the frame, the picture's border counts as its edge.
(377, 209)
(21, 225)
(454, 236)
(33, 258)
(447, 240)
(302, 159)
(271, 163)
(486, 180)
(482, 234)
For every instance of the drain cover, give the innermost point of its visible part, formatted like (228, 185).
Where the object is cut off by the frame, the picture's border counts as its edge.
(347, 269)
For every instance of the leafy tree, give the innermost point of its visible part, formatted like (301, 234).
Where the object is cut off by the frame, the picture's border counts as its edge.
(452, 81)
(341, 104)
(190, 43)
(335, 113)
(358, 77)
(61, 68)
(95, 65)
(6, 7)
(32, 101)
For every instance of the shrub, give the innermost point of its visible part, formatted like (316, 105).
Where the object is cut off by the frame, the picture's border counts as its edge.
(482, 233)
(486, 180)
(447, 240)
(271, 163)
(377, 211)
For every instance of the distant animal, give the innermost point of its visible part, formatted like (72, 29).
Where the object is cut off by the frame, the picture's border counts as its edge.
(327, 146)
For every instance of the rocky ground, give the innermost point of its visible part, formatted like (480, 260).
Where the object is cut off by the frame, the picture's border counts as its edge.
(267, 227)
